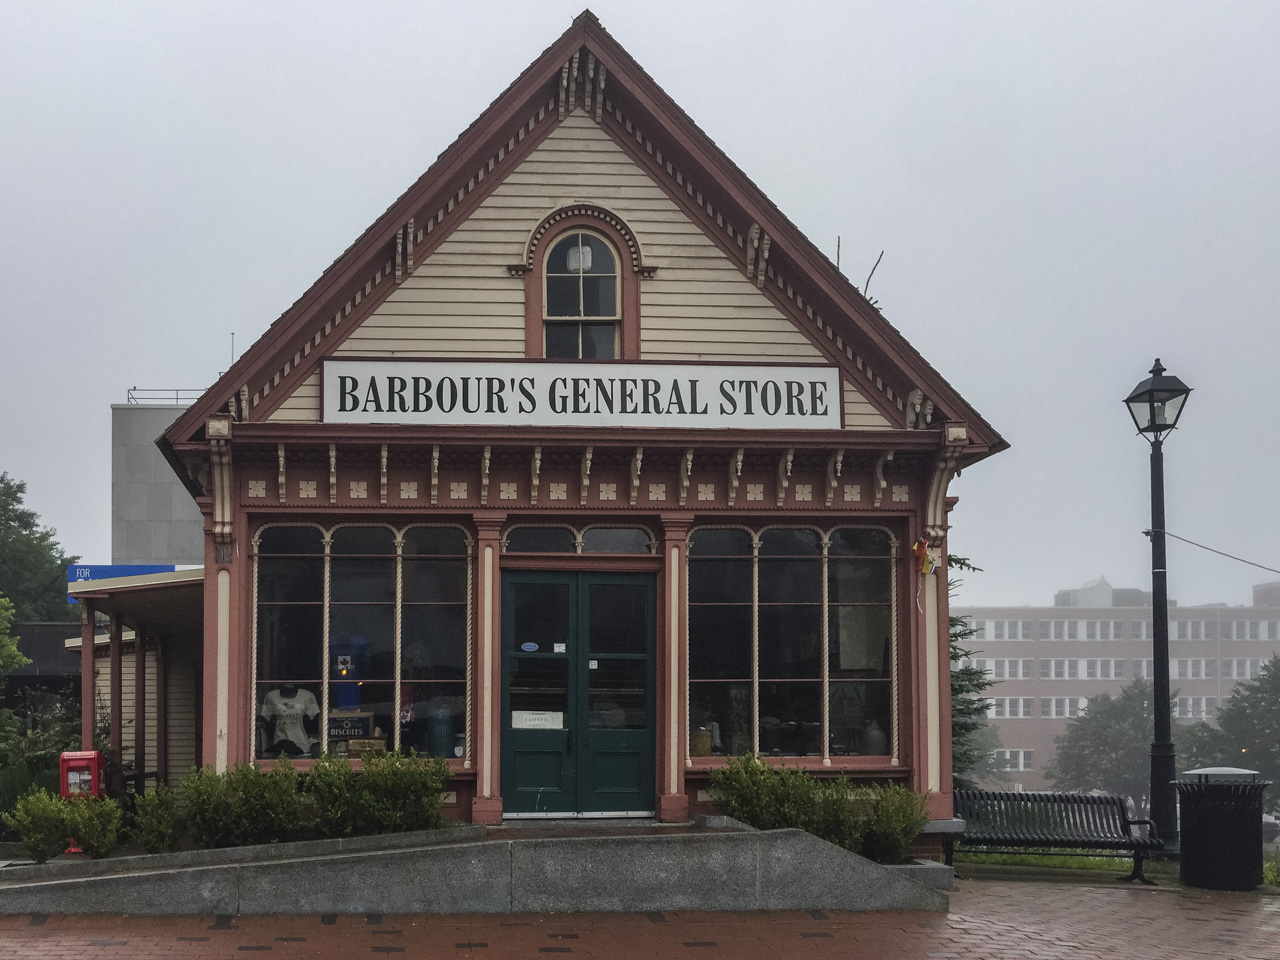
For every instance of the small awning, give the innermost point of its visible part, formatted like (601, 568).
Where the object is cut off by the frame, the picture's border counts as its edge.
(164, 605)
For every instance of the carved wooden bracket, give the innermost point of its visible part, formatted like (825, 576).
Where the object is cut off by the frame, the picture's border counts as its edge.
(880, 481)
(435, 474)
(784, 474)
(280, 477)
(484, 475)
(585, 473)
(735, 474)
(834, 466)
(535, 469)
(636, 459)
(382, 493)
(686, 471)
(333, 473)
(220, 459)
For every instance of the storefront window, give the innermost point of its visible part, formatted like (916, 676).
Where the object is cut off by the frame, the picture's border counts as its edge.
(387, 667)
(780, 625)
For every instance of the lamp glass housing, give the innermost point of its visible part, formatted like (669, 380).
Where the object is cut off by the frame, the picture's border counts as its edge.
(1156, 403)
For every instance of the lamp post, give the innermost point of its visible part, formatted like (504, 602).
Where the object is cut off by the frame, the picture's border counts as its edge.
(1155, 405)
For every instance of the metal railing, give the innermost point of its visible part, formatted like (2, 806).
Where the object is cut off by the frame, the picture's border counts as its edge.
(175, 395)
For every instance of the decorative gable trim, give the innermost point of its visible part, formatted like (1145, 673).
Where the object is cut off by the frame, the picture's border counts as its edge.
(549, 222)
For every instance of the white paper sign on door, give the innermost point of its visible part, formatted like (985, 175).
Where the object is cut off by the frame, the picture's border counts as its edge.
(537, 720)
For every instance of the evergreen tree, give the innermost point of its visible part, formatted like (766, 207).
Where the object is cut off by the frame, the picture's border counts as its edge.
(973, 740)
(1248, 733)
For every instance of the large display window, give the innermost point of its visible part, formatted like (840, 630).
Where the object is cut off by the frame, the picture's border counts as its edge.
(360, 640)
(791, 642)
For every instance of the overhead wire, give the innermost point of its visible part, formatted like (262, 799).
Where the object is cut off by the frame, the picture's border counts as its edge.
(1220, 553)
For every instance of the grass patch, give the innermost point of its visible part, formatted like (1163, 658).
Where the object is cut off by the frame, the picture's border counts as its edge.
(1056, 858)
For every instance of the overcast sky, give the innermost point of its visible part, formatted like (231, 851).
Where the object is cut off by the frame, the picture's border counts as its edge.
(1063, 191)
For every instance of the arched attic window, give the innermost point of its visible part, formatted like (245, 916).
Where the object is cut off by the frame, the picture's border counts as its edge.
(581, 304)
(582, 269)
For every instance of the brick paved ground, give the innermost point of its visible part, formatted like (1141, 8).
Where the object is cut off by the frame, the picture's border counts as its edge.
(988, 920)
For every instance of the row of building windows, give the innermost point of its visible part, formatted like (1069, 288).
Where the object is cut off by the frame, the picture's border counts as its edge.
(1015, 760)
(1024, 708)
(1124, 630)
(1072, 668)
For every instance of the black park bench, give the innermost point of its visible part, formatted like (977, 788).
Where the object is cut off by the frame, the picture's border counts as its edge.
(1003, 822)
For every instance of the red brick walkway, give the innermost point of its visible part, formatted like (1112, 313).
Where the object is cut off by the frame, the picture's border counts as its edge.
(988, 920)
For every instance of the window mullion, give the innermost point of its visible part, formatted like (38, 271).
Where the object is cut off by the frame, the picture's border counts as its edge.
(324, 650)
(396, 709)
(253, 663)
(755, 643)
(825, 634)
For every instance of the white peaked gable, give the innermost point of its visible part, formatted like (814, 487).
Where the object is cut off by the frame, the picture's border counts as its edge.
(463, 302)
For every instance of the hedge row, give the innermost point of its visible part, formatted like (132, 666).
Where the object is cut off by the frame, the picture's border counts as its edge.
(245, 805)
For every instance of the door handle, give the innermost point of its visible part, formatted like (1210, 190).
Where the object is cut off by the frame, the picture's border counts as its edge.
(569, 747)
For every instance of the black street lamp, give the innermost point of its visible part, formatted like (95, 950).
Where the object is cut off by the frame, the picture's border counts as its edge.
(1155, 405)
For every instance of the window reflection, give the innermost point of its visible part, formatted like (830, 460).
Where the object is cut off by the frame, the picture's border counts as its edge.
(767, 615)
(366, 711)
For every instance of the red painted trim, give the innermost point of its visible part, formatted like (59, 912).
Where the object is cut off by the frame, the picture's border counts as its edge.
(162, 716)
(139, 709)
(88, 700)
(642, 100)
(117, 705)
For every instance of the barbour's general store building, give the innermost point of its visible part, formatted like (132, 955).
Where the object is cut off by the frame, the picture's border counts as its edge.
(582, 468)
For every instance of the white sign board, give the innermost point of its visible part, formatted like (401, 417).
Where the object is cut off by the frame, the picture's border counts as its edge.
(537, 720)
(548, 394)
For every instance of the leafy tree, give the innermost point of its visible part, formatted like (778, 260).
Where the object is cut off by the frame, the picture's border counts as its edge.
(1248, 733)
(10, 655)
(33, 568)
(973, 740)
(1109, 748)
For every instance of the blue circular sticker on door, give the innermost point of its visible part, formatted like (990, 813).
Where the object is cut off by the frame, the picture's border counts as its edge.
(528, 647)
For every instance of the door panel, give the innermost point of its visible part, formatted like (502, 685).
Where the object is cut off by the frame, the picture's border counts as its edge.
(578, 693)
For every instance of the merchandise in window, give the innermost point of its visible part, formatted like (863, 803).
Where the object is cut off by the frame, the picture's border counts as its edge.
(781, 625)
(387, 668)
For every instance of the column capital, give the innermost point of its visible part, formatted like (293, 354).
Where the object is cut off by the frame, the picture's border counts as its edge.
(675, 526)
(489, 523)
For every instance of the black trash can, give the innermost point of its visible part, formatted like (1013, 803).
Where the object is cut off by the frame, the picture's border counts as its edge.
(1221, 828)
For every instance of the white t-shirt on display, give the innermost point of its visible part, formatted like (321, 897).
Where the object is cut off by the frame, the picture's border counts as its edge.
(288, 713)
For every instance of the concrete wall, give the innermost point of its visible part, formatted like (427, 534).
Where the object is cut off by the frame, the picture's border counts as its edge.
(153, 518)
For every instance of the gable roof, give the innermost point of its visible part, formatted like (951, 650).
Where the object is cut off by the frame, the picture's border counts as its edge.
(587, 68)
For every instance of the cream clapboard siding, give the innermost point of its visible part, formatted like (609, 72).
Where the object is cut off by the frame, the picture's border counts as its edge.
(102, 690)
(180, 703)
(303, 404)
(462, 302)
(860, 414)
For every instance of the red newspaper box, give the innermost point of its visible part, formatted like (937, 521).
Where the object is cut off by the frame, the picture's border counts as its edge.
(81, 773)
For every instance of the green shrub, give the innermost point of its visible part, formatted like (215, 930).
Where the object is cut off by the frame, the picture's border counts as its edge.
(156, 821)
(16, 780)
(206, 807)
(94, 824)
(40, 820)
(877, 821)
(1271, 872)
(265, 806)
(897, 816)
(403, 792)
(337, 795)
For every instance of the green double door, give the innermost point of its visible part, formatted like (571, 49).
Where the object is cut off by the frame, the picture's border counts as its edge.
(577, 693)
